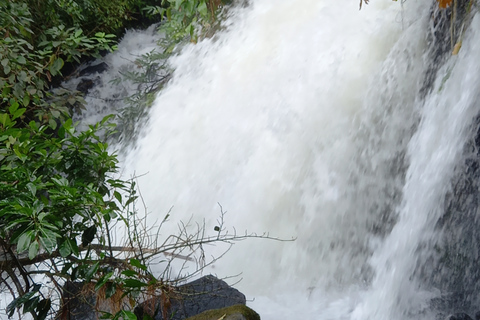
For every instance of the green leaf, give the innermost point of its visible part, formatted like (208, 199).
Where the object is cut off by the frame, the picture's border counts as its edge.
(11, 308)
(110, 290)
(118, 196)
(18, 302)
(88, 235)
(25, 101)
(33, 250)
(13, 107)
(103, 280)
(73, 246)
(202, 9)
(32, 188)
(52, 123)
(178, 3)
(136, 263)
(56, 66)
(20, 111)
(65, 249)
(48, 238)
(24, 241)
(129, 273)
(5, 119)
(42, 308)
(134, 283)
(21, 60)
(55, 113)
(61, 181)
(128, 315)
(31, 304)
(91, 271)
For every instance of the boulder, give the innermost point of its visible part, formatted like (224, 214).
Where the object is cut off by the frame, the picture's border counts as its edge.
(237, 312)
(84, 85)
(191, 299)
(80, 301)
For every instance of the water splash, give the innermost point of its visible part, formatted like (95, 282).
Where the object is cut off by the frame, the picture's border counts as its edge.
(309, 119)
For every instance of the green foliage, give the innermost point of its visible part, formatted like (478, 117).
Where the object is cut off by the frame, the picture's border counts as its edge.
(57, 197)
(35, 44)
(184, 18)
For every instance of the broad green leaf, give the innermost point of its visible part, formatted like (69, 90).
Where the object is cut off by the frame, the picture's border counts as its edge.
(134, 283)
(129, 273)
(48, 238)
(13, 107)
(91, 271)
(65, 249)
(110, 290)
(19, 154)
(138, 264)
(24, 241)
(55, 113)
(31, 304)
(56, 66)
(32, 188)
(26, 101)
(61, 181)
(43, 308)
(73, 246)
(128, 315)
(118, 196)
(52, 123)
(21, 111)
(88, 235)
(5, 119)
(21, 60)
(103, 280)
(33, 249)
(178, 3)
(202, 9)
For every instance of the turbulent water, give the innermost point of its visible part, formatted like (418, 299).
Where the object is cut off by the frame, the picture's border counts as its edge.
(310, 119)
(341, 128)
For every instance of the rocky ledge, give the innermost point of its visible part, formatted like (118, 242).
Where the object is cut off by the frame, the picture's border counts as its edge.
(207, 298)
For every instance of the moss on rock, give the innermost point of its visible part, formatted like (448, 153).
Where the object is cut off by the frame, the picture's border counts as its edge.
(236, 312)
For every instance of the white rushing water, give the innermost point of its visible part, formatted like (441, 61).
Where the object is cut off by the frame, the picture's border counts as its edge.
(303, 119)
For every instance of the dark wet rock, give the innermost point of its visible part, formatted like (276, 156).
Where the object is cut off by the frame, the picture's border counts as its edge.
(446, 28)
(97, 68)
(459, 316)
(191, 299)
(85, 85)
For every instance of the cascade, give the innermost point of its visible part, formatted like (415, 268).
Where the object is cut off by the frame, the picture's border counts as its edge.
(312, 120)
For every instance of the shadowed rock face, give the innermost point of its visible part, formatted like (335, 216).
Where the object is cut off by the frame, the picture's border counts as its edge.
(191, 299)
(81, 302)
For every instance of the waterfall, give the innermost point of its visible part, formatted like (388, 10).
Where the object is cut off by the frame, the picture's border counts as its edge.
(313, 120)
